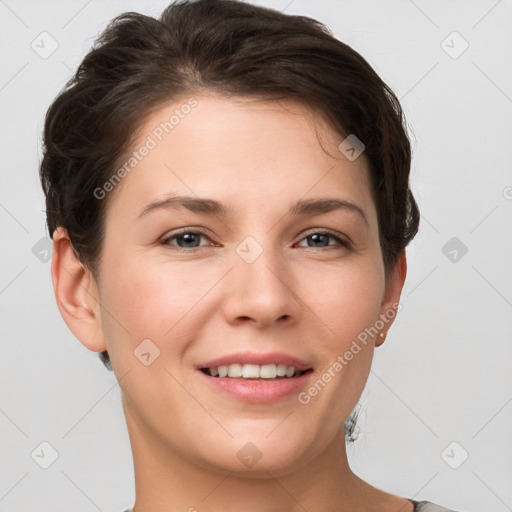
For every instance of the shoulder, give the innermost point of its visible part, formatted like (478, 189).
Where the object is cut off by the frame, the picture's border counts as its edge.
(427, 506)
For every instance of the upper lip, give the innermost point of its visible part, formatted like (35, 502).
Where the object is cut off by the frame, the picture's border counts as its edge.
(257, 358)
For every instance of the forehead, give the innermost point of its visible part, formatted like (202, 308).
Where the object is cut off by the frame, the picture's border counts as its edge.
(265, 151)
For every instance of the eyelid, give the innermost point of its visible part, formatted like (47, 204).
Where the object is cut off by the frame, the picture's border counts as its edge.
(181, 231)
(343, 239)
(313, 231)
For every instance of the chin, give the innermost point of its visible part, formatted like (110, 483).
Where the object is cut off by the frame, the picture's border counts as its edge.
(255, 456)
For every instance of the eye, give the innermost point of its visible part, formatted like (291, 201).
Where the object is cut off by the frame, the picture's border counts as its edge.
(188, 240)
(318, 238)
(185, 239)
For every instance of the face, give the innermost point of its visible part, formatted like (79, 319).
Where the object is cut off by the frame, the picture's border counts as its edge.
(263, 273)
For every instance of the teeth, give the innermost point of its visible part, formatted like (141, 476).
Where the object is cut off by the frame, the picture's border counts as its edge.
(235, 370)
(269, 371)
(253, 371)
(281, 370)
(250, 371)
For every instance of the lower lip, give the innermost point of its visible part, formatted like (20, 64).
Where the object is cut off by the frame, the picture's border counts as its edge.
(260, 391)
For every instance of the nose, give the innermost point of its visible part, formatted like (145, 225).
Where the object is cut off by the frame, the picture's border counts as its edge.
(261, 292)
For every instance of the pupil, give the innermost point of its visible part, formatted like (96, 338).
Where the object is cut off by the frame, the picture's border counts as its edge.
(187, 237)
(315, 237)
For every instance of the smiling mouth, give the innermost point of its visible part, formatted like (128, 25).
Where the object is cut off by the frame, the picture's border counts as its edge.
(255, 372)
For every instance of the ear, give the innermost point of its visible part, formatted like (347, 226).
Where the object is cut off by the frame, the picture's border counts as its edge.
(391, 298)
(76, 293)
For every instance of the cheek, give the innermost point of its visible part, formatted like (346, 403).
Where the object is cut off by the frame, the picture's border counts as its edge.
(154, 299)
(346, 300)
(346, 304)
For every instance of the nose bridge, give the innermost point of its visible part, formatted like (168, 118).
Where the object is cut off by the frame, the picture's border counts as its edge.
(261, 287)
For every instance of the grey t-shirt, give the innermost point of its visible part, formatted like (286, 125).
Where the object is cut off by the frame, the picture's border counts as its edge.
(419, 506)
(427, 506)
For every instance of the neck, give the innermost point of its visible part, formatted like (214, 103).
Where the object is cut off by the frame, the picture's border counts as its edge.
(166, 481)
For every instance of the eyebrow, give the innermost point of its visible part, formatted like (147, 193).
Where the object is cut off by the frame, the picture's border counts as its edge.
(215, 208)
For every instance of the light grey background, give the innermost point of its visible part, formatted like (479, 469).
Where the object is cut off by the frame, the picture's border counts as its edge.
(443, 374)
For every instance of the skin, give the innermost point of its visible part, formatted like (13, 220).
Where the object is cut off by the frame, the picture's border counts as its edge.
(311, 301)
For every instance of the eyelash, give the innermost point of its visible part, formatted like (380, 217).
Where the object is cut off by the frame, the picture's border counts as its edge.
(166, 240)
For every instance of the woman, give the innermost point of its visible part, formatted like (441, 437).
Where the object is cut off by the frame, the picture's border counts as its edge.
(227, 194)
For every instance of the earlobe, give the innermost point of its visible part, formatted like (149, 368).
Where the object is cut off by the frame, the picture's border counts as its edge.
(391, 297)
(76, 293)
